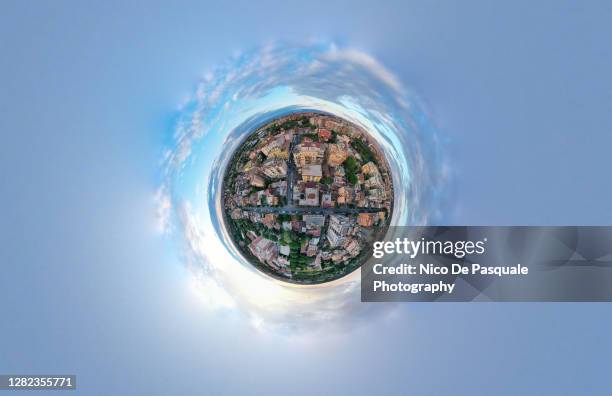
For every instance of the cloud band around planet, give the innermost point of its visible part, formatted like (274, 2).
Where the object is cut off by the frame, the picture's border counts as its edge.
(246, 92)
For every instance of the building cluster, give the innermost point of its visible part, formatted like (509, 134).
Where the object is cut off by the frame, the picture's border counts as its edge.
(268, 252)
(324, 180)
(304, 197)
(337, 243)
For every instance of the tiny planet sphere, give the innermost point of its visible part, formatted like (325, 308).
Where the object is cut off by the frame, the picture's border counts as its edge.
(305, 195)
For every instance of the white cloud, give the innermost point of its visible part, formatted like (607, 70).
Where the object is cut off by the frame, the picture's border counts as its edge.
(361, 58)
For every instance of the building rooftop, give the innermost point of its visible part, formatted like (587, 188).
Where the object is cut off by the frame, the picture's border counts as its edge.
(312, 170)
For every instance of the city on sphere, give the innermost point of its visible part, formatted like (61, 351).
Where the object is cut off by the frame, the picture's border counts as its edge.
(304, 196)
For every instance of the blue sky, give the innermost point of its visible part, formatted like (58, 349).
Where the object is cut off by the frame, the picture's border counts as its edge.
(521, 90)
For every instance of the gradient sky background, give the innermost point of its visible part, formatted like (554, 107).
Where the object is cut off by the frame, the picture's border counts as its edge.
(522, 90)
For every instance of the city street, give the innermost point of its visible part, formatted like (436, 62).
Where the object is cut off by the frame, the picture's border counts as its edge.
(308, 210)
(291, 171)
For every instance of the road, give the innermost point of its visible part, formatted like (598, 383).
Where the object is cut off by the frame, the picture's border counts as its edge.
(308, 210)
(291, 171)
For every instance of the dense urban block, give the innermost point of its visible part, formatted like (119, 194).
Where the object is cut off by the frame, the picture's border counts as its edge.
(305, 195)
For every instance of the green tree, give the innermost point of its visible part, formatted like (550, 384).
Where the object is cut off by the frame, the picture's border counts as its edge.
(364, 150)
(350, 164)
(287, 237)
(326, 180)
